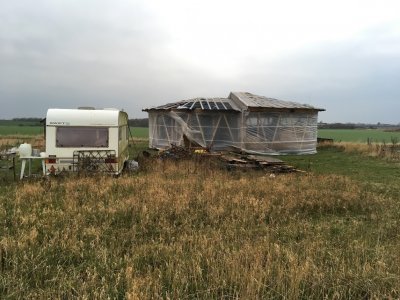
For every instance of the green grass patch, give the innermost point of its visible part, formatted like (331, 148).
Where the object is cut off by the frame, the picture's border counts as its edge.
(333, 160)
(140, 132)
(359, 135)
(20, 130)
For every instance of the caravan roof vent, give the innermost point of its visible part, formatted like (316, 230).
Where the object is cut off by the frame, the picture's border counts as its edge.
(87, 107)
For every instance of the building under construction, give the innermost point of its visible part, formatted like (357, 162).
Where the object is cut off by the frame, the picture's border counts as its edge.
(241, 122)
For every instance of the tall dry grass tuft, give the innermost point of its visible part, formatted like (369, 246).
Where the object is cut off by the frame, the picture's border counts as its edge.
(189, 230)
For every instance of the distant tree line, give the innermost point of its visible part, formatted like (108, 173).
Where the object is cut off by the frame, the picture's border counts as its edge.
(139, 122)
(27, 119)
(322, 125)
(336, 126)
(21, 122)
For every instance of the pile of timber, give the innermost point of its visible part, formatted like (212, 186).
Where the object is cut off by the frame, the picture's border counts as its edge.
(271, 164)
(232, 160)
(175, 152)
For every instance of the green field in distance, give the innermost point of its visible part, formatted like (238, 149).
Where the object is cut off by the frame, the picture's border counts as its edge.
(343, 135)
(359, 135)
(20, 130)
(137, 132)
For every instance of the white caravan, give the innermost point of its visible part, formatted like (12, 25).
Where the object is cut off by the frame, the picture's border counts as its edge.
(86, 139)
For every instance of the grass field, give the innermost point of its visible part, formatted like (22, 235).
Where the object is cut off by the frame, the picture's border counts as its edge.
(15, 130)
(20, 130)
(334, 160)
(19, 123)
(140, 132)
(359, 135)
(193, 230)
(343, 135)
(12, 127)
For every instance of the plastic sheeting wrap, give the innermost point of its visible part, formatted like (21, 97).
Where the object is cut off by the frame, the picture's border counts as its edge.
(254, 132)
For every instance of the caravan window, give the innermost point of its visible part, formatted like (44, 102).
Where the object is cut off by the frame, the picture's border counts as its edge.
(82, 137)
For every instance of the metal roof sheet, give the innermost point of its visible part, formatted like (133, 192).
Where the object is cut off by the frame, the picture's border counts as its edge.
(251, 100)
(212, 104)
(237, 101)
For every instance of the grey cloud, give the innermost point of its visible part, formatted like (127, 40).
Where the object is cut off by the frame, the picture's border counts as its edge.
(355, 80)
(54, 56)
(114, 54)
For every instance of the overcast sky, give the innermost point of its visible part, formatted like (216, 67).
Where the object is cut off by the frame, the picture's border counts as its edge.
(341, 55)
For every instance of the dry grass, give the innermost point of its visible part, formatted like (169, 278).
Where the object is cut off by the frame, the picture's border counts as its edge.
(15, 140)
(382, 150)
(187, 230)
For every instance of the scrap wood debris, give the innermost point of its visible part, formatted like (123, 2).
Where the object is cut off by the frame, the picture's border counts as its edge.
(175, 152)
(180, 152)
(271, 164)
(232, 160)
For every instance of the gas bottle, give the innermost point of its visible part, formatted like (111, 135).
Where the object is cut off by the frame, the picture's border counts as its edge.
(25, 150)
